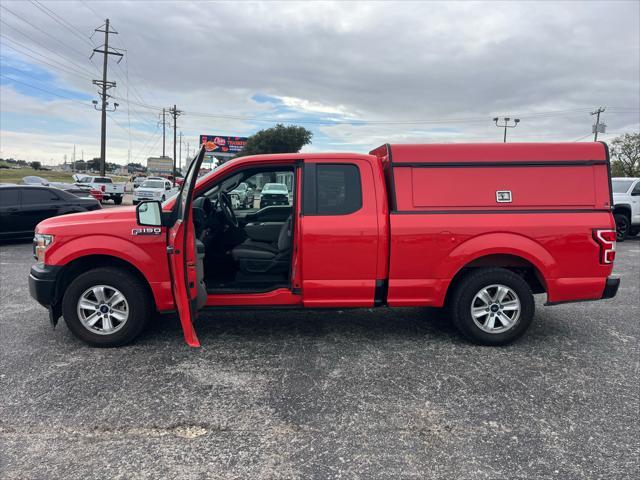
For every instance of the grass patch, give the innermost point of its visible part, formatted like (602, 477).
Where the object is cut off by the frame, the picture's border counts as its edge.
(15, 175)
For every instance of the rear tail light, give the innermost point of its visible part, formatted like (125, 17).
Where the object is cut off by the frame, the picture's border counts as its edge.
(103, 188)
(606, 239)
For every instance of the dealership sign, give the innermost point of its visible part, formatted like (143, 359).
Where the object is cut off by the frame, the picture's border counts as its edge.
(222, 144)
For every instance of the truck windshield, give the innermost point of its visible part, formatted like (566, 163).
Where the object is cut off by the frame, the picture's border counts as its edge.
(621, 186)
(153, 184)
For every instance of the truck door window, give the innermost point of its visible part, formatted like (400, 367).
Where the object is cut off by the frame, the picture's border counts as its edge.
(636, 189)
(338, 189)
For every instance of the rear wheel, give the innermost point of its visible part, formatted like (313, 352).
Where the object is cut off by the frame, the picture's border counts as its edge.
(106, 307)
(622, 226)
(117, 200)
(492, 306)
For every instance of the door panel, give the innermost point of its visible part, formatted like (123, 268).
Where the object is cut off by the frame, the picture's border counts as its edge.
(339, 246)
(38, 204)
(10, 215)
(184, 257)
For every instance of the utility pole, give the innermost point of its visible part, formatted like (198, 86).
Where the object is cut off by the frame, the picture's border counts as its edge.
(73, 163)
(175, 113)
(164, 122)
(506, 125)
(105, 85)
(598, 127)
(180, 157)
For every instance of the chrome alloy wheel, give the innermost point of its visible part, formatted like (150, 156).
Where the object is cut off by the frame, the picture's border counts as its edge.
(103, 309)
(495, 309)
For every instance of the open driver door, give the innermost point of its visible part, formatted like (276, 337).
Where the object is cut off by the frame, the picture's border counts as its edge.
(186, 255)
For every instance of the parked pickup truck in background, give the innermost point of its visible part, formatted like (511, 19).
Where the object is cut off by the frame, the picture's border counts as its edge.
(153, 190)
(110, 190)
(465, 226)
(626, 206)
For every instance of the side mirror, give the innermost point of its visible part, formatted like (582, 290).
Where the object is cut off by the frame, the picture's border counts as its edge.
(149, 214)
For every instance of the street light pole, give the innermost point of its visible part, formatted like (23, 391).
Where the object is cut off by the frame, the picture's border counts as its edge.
(506, 125)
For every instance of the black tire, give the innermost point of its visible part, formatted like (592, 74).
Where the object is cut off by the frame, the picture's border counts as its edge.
(134, 290)
(473, 283)
(633, 231)
(117, 200)
(622, 226)
(163, 198)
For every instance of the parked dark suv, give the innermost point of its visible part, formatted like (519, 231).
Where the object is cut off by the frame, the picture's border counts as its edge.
(22, 207)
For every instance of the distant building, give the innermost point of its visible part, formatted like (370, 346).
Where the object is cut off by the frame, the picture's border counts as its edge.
(160, 165)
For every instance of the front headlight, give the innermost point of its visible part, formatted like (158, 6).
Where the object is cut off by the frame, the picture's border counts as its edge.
(40, 243)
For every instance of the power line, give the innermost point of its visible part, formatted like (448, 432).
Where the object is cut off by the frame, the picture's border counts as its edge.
(47, 11)
(363, 121)
(42, 31)
(86, 4)
(65, 68)
(31, 39)
(44, 90)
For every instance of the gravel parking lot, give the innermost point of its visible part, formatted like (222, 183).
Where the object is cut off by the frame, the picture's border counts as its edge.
(340, 394)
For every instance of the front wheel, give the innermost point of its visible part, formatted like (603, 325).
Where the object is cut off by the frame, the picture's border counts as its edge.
(106, 307)
(622, 226)
(492, 306)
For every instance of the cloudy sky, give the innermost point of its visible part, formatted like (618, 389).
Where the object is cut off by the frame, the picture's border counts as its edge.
(356, 74)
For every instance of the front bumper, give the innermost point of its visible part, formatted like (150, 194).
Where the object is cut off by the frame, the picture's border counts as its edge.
(42, 283)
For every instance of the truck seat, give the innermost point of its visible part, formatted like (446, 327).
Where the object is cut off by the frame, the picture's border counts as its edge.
(264, 257)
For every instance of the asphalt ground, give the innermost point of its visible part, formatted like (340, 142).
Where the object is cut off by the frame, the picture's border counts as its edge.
(361, 394)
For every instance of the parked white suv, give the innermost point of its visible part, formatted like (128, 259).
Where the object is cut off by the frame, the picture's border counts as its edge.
(153, 190)
(626, 206)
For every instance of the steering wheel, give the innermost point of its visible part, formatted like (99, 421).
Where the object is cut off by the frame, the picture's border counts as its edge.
(227, 211)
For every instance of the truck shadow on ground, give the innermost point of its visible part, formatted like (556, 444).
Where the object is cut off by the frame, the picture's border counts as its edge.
(407, 323)
(431, 325)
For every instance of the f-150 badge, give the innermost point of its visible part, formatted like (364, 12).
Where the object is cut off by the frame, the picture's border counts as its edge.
(146, 231)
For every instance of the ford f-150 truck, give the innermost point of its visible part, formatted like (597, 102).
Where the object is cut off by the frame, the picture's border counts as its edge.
(478, 228)
(110, 190)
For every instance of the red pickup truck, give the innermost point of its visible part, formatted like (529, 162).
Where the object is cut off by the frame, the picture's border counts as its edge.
(477, 228)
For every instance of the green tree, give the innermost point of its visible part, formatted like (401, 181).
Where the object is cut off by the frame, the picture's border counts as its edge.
(93, 164)
(36, 165)
(278, 139)
(625, 151)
